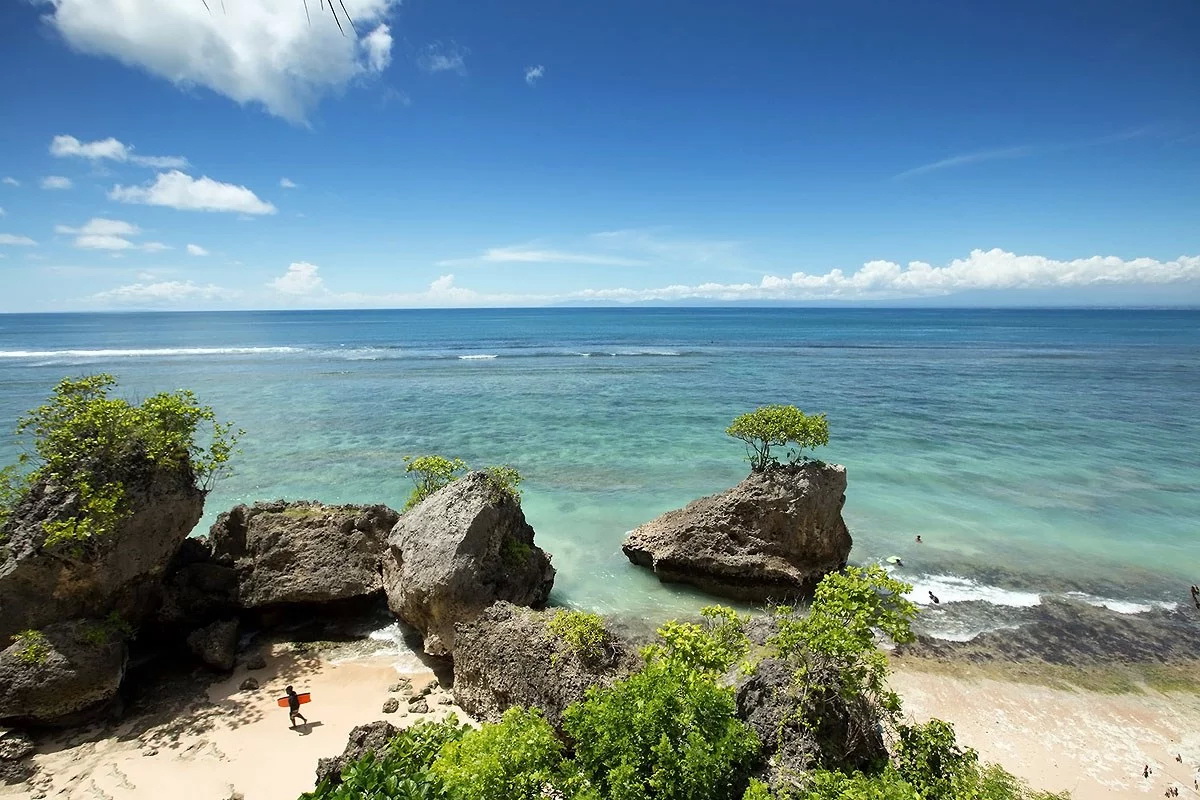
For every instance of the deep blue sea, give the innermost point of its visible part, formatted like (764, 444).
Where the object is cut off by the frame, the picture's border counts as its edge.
(1035, 452)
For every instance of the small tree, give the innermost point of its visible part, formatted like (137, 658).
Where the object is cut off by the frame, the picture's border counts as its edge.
(778, 426)
(430, 473)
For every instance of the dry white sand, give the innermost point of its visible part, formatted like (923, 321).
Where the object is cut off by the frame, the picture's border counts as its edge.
(230, 741)
(1093, 745)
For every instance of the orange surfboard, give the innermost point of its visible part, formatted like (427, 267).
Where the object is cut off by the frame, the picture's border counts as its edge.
(303, 698)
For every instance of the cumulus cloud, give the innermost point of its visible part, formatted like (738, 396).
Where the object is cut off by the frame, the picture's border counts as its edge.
(301, 278)
(981, 270)
(163, 293)
(533, 74)
(56, 182)
(181, 191)
(196, 250)
(534, 255)
(13, 239)
(444, 57)
(287, 184)
(265, 51)
(11, 181)
(100, 233)
(112, 149)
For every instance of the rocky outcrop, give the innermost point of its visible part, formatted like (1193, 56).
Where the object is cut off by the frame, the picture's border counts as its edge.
(120, 571)
(196, 590)
(799, 733)
(458, 551)
(15, 751)
(771, 537)
(215, 644)
(63, 674)
(507, 657)
(370, 738)
(304, 552)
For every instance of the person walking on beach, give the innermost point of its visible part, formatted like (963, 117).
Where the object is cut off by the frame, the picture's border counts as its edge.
(294, 707)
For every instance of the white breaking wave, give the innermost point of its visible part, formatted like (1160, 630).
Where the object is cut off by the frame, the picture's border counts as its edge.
(952, 589)
(1122, 606)
(149, 352)
(407, 659)
(480, 357)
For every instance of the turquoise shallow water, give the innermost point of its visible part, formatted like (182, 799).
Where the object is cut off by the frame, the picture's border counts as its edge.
(1034, 451)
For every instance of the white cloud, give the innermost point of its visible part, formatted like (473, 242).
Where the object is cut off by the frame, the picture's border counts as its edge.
(533, 74)
(287, 183)
(533, 255)
(178, 190)
(56, 182)
(163, 293)
(444, 57)
(13, 239)
(11, 181)
(301, 278)
(110, 148)
(196, 250)
(265, 51)
(378, 46)
(981, 270)
(99, 233)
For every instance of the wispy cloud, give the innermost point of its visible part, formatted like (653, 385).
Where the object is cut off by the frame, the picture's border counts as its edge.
(112, 150)
(196, 250)
(180, 191)
(533, 255)
(534, 74)
(1021, 151)
(287, 183)
(11, 181)
(163, 294)
(14, 239)
(444, 57)
(56, 182)
(99, 233)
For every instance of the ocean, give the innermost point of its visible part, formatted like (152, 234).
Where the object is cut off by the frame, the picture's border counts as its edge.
(1036, 452)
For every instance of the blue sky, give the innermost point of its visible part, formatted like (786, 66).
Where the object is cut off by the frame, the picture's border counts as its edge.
(523, 153)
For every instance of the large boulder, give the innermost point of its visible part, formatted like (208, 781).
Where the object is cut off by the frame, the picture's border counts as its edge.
(458, 551)
(507, 657)
(304, 552)
(771, 537)
(800, 731)
(16, 766)
(215, 644)
(196, 589)
(61, 674)
(120, 571)
(370, 738)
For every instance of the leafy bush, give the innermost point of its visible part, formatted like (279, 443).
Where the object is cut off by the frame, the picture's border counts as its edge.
(505, 481)
(519, 758)
(581, 632)
(401, 772)
(710, 647)
(111, 628)
(83, 440)
(666, 732)
(757, 790)
(430, 473)
(32, 647)
(778, 426)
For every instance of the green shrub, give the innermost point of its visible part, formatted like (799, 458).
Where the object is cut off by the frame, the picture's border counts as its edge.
(711, 647)
(505, 481)
(757, 790)
(518, 758)
(430, 473)
(581, 633)
(666, 732)
(32, 647)
(84, 440)
(111, 628)
(778, 426)
(514, 552)
(830, 785)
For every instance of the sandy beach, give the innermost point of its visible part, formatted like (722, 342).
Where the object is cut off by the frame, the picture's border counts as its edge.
(226, 742)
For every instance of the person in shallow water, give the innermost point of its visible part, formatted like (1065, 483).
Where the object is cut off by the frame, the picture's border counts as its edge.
(294, 707)
(934, 598)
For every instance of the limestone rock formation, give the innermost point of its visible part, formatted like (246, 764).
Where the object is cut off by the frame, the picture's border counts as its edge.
(370, 738)
(771, 537)
(68, 672)
(120, 572)
(15, 764)
(799, 734)
(506, 657)
(215, 644)
(196, 589)
(303, 552)
(458, 551)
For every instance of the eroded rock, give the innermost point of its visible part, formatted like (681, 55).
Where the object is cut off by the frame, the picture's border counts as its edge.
(215, 644)
(370, 738)
(771, 537)
(457, 552)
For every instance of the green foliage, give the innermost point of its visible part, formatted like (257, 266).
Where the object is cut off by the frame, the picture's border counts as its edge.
(32, 647)
(12, 488)
(111, 628)
(710, 647)
(581, 632)
(430, 473)
(83, 438)
(778, 426)
(666, 732)
(519, 758)
(830, 785)
(757, 790)
(401, 772)
(505, 481)
(514, 552)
